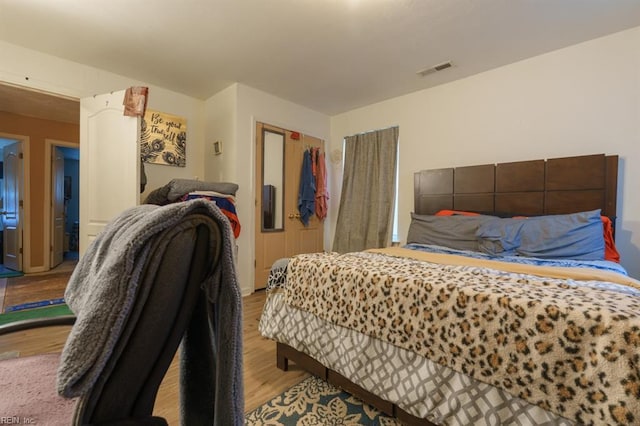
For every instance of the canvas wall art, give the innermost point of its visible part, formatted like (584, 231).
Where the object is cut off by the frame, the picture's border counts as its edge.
(163, 139)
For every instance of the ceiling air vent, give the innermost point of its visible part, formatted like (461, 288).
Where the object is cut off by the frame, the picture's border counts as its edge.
(435, 68)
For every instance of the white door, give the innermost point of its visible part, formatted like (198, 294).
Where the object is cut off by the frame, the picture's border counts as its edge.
(109, 163)
(57, 207)
(12, 206)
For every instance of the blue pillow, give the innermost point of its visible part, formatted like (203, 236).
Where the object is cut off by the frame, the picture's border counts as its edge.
(457, 232)
(568, 236)
(500, 237)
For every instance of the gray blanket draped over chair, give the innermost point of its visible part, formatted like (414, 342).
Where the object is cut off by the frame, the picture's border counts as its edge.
(103, 288)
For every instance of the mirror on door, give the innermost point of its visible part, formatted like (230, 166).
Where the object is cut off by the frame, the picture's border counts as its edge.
(272, 180)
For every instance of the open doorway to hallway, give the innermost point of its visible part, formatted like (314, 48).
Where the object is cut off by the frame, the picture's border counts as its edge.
(71, 195)
(12, 194)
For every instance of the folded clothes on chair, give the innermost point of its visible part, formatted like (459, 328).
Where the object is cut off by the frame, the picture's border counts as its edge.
(103, 288)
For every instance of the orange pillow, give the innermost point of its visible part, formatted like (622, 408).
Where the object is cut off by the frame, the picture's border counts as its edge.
(454, 212)
(610, 251)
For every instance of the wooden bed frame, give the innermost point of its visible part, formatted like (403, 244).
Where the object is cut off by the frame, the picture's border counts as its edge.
(538, 187)
(285, 353)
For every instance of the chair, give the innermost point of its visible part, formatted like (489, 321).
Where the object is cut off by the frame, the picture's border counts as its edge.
(170, 304)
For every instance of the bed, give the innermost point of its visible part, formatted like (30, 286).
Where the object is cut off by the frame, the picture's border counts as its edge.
(492, 325)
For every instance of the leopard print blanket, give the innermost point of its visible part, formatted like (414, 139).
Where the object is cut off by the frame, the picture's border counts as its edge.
(571, 348)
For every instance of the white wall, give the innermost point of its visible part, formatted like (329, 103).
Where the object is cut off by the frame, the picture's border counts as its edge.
(253, 106)
(36, 70)
(221, 118)
(584, 99)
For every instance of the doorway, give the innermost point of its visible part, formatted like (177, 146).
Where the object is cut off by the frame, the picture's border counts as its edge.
(279, 229)
(62, 194)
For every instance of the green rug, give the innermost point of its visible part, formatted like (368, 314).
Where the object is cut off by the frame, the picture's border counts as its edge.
(9, 273)
(50, 311)
(315, 402)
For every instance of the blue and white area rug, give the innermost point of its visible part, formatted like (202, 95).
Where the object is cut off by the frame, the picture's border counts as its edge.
(315, 402)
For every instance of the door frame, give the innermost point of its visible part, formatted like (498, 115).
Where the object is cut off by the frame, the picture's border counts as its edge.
(26, 201)
(48, 154)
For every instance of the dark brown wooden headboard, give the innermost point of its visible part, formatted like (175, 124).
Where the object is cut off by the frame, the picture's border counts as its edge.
(553, 186)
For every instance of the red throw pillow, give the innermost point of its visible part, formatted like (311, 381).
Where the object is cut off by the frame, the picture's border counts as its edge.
(610, 251)
(454, 212)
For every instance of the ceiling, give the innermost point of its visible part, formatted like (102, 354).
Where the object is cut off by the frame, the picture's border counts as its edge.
(328, 55)
(32, 103)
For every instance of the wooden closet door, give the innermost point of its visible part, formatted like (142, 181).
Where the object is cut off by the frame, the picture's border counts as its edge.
(294, 238)
(300, 238)
(269, 245)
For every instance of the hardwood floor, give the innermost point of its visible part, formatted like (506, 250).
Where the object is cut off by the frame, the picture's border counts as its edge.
(262, 379)
(37, 287)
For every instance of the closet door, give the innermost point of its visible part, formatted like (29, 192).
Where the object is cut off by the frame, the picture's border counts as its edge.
(270, 238)
(300, 238)
(13, 206)
(279, 230)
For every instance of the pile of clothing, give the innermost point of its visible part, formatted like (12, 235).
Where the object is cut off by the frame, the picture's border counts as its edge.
(225, 202)
(220, 193)
(313, 194)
